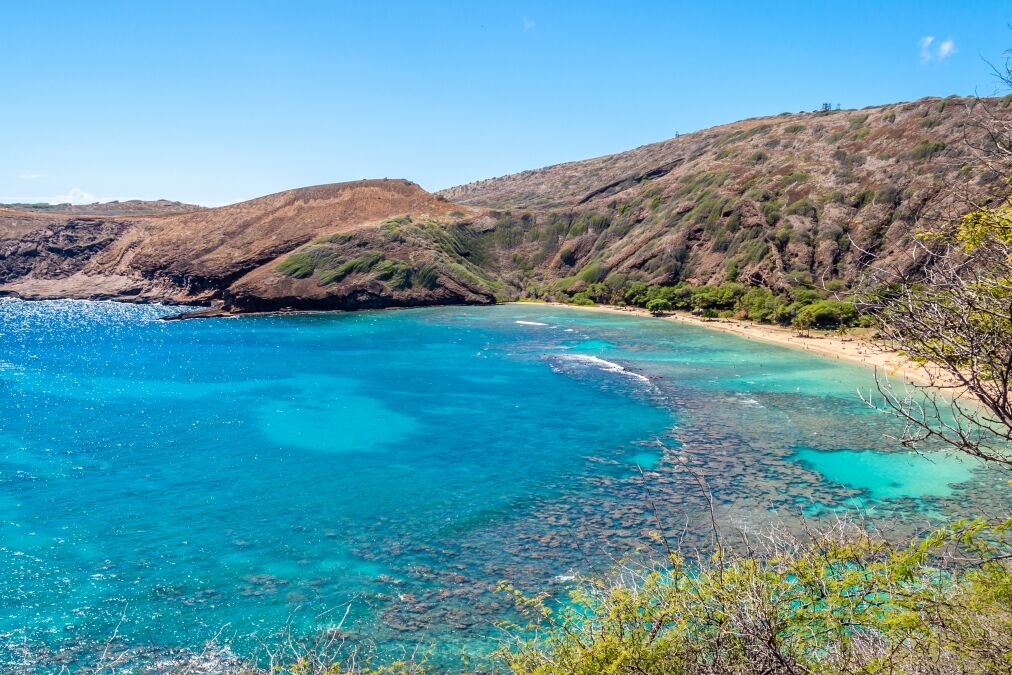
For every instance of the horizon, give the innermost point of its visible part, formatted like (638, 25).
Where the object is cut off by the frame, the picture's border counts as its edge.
(216, 105)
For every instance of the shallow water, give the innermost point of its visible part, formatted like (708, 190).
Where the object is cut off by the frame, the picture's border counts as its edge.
(233, 476)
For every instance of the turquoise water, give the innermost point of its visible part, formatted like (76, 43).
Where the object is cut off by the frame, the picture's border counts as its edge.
(231, 477)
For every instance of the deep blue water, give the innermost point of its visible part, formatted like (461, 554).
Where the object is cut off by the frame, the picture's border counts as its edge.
(233, 476)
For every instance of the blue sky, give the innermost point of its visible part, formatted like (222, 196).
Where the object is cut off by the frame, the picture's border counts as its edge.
(214, 102)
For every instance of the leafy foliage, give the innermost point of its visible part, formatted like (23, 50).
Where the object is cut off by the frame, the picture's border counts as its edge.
(842, 602)
(731, 299)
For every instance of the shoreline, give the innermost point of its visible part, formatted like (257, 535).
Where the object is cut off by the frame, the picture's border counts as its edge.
(861, 351)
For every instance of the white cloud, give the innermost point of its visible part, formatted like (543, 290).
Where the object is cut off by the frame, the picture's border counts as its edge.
(31, 176)
(528, 24)
(75, 196)
(943, 50)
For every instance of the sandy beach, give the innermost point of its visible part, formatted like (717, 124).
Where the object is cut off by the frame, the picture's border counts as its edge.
(886, 361)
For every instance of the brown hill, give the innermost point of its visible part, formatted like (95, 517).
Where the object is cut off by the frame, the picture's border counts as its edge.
(796, 199)
(766, 201)
(205, 256)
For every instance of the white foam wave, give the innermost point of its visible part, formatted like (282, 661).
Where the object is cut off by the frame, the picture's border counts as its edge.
(530, 323)
(602, 364)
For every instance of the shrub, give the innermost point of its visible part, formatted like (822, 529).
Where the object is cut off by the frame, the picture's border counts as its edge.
(771, 211)
(299, 265)
(841, 601)
(426, 276)
(356, 265)
(792, 178)
(592, 273)
(926, 150)
(801, 207)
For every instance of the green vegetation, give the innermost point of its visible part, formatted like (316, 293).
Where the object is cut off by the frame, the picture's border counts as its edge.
(801, 207)
(453, 249)
(299, 265)
(826, 314)
(926, 150)
(838, 602)
(794, 177)
(804, 307)
(327, 265)
(354, 266)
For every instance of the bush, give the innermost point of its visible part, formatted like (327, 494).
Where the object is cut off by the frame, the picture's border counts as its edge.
(356, 265)
(298, 265)
(593, 273)
(841, 601)
(801, 207)
(926, 150)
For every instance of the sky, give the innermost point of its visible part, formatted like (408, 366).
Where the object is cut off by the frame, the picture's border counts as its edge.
(216, 102)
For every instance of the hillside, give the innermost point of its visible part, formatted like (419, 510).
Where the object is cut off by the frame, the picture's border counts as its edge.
(228, 257)
(795, 200)
(767, 201)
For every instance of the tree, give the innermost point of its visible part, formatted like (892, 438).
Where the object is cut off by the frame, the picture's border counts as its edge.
(659, 306)
(826, 314)
(954, 313)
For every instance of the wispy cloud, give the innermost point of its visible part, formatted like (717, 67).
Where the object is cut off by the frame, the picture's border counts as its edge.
(75, 196)
(528, 24)
(929, 52)
(31, 176)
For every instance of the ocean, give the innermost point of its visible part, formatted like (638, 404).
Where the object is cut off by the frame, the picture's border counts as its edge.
(376, 475)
